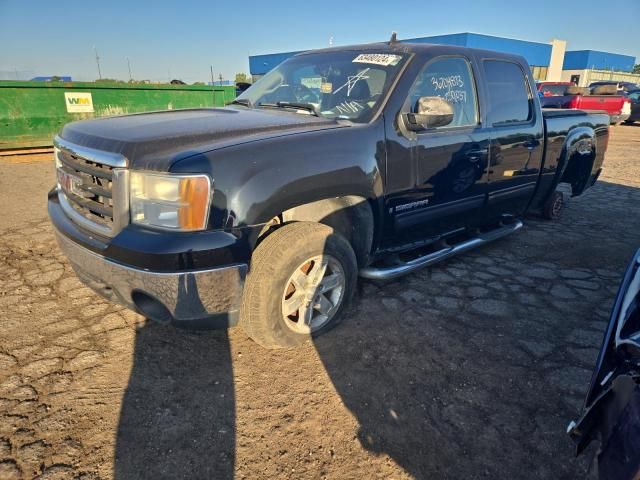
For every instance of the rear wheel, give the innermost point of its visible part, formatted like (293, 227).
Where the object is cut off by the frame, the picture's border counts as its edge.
(301, 279)
(553, 207)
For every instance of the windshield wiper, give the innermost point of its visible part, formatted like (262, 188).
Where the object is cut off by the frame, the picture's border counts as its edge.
(243, 101)
(309, 107)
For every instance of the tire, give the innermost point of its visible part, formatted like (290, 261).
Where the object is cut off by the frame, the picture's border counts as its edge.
(270, 289)
(553, 207)
(629, 122)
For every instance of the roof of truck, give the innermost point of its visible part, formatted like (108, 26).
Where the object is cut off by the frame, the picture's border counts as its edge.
(416, 48)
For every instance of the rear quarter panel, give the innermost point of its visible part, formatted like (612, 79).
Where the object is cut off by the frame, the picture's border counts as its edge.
(566, 136)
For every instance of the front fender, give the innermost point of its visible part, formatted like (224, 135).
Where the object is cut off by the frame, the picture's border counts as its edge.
(255, 182)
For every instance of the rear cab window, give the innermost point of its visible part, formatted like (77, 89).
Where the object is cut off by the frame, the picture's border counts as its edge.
(509, 96)
(450, 78)
(553, 90)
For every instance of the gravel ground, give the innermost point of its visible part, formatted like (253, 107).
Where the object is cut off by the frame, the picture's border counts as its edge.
(471, 369)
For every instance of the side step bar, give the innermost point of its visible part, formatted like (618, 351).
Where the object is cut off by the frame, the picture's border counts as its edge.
(399, 269)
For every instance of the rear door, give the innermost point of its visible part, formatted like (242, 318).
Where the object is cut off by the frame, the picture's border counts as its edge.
(516, 131)
(450, 161)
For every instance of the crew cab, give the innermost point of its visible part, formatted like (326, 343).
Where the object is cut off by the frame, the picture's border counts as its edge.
(599, 97)
(372, 160)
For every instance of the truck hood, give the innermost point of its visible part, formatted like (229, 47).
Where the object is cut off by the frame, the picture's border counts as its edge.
(156, 140)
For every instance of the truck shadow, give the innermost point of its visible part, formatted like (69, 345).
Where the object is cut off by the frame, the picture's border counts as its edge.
(178, 411)
(440, 394)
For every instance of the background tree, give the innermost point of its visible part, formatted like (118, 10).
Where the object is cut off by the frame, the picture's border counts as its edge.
(242, 78)
(108, 80)
(636, 69)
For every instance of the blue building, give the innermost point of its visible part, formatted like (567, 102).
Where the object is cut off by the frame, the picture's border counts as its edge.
(537, 54)
(261, 64)
(545, 59)
(61, 78)
(594, 60)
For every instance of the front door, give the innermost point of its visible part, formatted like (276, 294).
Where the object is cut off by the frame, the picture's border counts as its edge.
(450, 161)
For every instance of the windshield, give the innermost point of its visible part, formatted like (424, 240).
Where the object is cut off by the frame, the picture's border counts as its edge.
(342, 84)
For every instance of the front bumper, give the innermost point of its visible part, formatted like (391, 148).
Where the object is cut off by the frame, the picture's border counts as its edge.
(209, 297)
(619, 118)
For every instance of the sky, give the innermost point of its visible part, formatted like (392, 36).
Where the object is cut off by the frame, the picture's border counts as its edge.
(183, 39)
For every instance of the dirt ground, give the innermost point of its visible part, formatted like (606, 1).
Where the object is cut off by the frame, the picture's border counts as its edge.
(471, 369)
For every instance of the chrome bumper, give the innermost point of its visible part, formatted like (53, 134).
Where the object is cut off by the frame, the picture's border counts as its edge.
(211, 297)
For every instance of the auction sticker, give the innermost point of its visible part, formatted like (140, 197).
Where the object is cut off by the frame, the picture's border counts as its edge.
(384, 59)
(326, 87)
(78, 102)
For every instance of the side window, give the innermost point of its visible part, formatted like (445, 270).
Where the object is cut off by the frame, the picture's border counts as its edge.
(450, 78)
(509, 99)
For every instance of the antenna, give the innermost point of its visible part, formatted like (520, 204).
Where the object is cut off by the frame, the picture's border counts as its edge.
(394, 38)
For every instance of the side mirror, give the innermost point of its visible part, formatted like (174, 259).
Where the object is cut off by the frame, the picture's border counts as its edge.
(432, 112)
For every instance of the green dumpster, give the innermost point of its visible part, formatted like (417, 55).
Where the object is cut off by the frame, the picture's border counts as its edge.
(31, 113)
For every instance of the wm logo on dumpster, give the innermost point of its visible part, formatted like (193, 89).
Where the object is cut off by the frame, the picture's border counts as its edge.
(78, 102)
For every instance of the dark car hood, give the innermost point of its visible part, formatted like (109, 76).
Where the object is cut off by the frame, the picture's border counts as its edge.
(155, 140)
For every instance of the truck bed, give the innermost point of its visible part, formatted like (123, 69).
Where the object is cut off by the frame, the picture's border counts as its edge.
(560, 166)
(563, 112)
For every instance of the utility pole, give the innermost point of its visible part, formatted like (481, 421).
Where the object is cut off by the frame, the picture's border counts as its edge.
(129, 67)
(213, 86)
(97, 62)
(220, 77)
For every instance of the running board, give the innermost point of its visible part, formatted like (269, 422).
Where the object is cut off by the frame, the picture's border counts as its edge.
(393, 271)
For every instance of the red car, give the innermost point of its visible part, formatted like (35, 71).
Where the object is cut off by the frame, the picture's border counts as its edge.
(567, 95)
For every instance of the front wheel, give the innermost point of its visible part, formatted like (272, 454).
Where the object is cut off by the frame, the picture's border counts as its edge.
(301, 278)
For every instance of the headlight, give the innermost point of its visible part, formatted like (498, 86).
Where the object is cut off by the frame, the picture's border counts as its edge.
(179, 202)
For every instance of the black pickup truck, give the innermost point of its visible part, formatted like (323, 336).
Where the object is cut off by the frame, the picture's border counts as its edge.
(370, 160)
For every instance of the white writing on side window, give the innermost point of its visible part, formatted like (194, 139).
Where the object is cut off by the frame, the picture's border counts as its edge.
(450, 83)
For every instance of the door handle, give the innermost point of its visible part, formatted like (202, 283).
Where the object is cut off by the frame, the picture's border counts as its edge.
(475, 155)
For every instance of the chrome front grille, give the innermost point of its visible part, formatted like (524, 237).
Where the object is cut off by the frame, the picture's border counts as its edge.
(92, 187)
